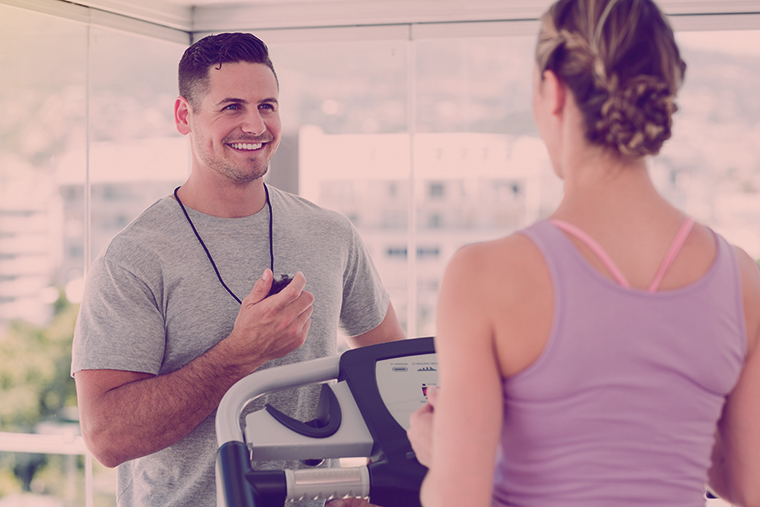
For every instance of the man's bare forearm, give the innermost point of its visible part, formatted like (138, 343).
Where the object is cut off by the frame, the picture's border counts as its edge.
(126, 415)
(151, 413)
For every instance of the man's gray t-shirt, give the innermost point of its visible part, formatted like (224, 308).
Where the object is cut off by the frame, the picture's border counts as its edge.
(153, 303)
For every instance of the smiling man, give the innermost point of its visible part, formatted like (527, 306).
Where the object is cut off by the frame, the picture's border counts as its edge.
(176, 309)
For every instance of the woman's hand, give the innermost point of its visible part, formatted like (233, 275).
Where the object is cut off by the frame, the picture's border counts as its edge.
(420, 432)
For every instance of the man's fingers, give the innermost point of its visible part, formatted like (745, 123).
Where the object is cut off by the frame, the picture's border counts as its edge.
(261, 287)
(289, 294)
(292, 291)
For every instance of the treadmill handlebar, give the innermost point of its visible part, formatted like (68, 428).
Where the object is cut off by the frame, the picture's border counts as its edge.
(234, 465)
(264, 381)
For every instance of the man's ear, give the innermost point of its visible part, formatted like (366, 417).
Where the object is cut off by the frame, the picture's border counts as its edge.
(556, 92)
(182, 112)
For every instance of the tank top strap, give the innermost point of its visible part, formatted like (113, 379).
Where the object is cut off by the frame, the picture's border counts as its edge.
(596, 248)
(670, 256)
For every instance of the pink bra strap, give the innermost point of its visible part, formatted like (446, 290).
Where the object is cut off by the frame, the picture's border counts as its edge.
(675, 247)
(595, 247)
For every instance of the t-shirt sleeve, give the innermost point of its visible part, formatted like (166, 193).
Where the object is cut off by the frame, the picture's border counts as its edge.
(365, 300)
(120, 326)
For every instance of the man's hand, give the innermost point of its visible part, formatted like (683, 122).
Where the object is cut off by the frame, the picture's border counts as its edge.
(270, 327)
(125, 415)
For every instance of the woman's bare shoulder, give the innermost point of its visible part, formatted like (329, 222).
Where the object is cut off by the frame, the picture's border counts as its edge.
(511, 255)
(500, 274)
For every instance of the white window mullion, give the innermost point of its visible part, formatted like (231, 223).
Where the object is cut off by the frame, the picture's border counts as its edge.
(411, 247)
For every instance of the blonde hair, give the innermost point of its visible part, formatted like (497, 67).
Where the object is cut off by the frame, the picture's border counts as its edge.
(620, 60)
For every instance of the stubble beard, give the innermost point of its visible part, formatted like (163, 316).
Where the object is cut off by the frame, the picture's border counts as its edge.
(237, 176)
(250, 172)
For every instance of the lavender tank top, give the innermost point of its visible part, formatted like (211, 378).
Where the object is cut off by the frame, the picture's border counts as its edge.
(621, 407)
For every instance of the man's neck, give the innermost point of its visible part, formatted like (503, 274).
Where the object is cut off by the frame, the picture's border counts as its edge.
(225, 200)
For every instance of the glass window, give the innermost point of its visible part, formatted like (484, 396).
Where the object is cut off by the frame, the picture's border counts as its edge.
(478, 164)
(477, 142)
(480, 170)
(42, 96)
(56, 71)
(345, 145)
(136, 155)
(711, 166)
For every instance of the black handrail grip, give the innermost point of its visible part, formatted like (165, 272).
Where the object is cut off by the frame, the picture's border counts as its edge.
(328, 426)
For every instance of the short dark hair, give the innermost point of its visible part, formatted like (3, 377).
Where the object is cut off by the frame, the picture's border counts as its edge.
(217, 50)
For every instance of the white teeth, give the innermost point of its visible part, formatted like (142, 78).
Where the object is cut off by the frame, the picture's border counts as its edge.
(246, 146)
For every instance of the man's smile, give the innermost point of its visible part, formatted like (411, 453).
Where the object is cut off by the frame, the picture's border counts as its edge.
(246, 146)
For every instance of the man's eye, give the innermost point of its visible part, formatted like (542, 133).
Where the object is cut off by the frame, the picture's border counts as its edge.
(232, 107)
(266, 106)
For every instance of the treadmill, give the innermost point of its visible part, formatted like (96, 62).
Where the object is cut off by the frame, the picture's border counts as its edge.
(367, 396)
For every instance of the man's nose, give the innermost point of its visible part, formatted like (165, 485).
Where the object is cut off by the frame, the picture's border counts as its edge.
(253, 123)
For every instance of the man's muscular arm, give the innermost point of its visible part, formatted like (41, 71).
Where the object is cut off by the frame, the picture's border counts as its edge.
(125, 415)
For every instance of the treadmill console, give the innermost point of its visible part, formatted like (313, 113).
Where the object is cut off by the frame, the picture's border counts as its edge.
(403, 383)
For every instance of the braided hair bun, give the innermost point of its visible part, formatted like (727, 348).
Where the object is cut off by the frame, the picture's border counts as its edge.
(637, 118)
(620, 60)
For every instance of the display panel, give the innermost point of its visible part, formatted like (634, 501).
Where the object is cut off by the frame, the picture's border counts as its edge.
(403, 383)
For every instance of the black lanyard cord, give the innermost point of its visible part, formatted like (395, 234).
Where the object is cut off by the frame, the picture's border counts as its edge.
(208, 254)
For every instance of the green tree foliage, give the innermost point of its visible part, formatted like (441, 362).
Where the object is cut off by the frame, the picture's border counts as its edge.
(35, 383)
(35, 386)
